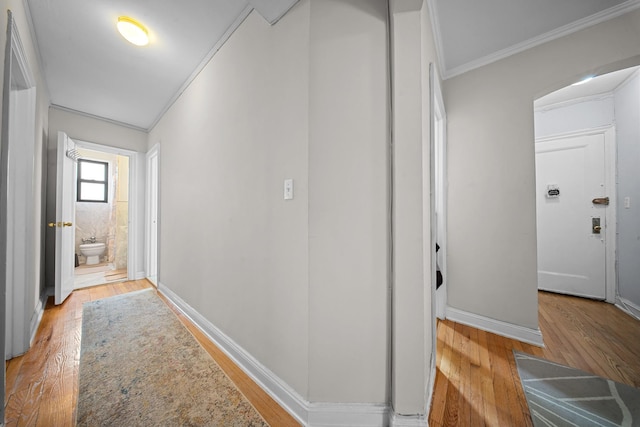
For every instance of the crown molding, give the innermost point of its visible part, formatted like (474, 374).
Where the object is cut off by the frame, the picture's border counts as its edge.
(95, 117)
(565, 30)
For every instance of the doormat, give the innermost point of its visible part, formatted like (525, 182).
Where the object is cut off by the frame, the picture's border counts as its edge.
(562, 396)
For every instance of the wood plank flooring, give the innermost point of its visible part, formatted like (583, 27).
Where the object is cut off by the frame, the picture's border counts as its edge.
(42, 385)
(477, 381)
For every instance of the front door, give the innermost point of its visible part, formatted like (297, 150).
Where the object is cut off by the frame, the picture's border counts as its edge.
(571, 200)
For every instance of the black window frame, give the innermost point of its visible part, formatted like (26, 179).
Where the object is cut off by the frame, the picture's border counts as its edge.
(92, 181)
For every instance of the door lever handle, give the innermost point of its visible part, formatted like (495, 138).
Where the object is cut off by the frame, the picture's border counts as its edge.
(59, 224)
(600, 201)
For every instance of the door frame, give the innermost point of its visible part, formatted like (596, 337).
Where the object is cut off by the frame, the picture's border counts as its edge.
(134, 183)
(152, 182)
(18, 199)
(609, 133)
(439, 143)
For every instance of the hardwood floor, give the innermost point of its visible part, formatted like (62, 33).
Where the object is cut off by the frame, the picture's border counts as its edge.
(42, 385)
(477, 382)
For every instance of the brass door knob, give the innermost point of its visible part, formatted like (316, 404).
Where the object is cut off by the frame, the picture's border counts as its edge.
(51, 224)
(67, 224)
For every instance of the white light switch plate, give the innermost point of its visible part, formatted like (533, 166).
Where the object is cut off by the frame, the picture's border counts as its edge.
(288, 189)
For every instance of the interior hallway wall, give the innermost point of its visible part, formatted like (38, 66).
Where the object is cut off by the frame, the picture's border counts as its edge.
(348, 193)
(231, 247)
(492, 232)
(627, 107)
(299, 284)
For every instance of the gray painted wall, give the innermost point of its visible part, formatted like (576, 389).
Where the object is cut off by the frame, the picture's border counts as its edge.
(627, 108)
(231, 247)
(492, 232)
(299, 284)
(347, 190)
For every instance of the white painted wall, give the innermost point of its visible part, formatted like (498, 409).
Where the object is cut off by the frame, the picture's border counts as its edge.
(89, 129)
(492, 234)
(627, 108)
(300, 284)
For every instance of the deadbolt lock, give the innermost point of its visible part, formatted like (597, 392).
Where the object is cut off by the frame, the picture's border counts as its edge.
(595, 225)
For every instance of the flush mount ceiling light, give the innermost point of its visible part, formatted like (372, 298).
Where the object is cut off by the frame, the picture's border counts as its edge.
(133, 31)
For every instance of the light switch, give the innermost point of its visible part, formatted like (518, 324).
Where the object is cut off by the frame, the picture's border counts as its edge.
(288, 189)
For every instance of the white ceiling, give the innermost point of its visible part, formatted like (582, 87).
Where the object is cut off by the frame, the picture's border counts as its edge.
(472, 33)
(599, 85)
(91, 69)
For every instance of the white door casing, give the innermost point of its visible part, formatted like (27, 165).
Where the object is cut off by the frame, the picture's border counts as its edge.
(152, 214)
(65, 218)
(21, 221)
(573, 257)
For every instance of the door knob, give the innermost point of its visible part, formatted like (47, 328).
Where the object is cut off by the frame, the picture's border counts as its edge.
(51, 224)
(67, 224)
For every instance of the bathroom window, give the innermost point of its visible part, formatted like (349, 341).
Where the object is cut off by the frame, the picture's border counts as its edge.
(92, 181)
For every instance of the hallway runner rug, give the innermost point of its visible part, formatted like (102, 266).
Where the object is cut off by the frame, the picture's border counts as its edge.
(562, 396)
(139, 366)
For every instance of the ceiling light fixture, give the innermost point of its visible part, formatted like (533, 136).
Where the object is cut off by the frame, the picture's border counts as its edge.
(133, 31)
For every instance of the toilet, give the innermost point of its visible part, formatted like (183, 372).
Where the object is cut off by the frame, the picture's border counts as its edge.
(93, 252)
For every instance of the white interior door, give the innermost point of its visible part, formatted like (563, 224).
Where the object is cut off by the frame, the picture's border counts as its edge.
(571, 213)
(65, 231)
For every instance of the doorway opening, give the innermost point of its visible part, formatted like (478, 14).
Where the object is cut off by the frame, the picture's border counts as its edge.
(101, 218)
(586, 136)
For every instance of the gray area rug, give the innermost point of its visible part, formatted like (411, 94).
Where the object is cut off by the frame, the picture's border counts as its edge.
(139, 366)
(563, 396)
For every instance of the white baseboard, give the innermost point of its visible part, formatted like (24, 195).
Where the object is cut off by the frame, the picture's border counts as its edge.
(628, 307)
(290, 400)
(509, 330)
(140, 275)
(37, 316)
(305, 412)
(348, 414)
(408, 421)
